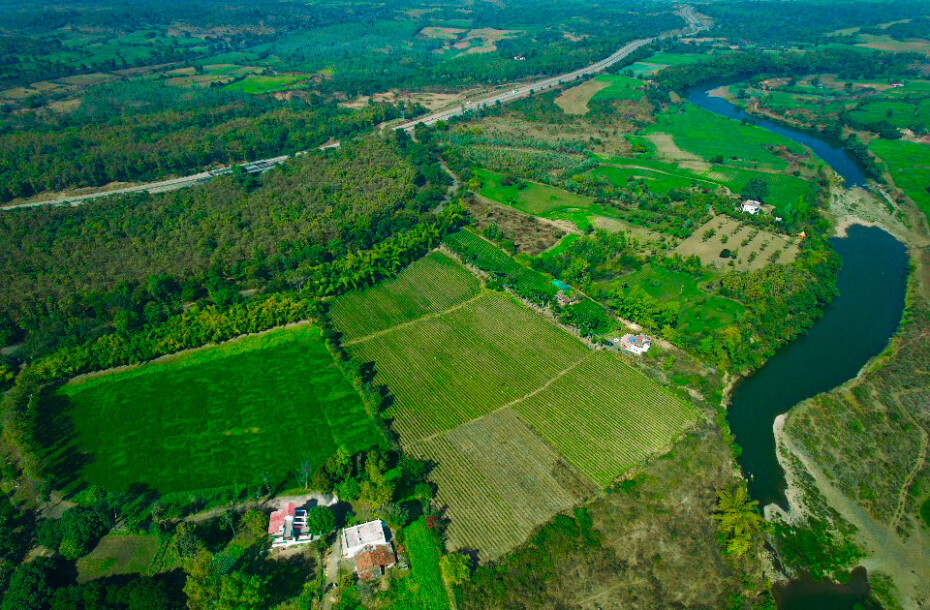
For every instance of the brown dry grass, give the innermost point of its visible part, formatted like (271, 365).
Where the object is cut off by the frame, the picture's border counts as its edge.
(731, 234)
(530, 234)
(575, 100)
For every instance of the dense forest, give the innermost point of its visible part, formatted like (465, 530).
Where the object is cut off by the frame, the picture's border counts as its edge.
(238, 230)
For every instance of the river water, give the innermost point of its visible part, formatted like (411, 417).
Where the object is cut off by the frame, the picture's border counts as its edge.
(855, 327)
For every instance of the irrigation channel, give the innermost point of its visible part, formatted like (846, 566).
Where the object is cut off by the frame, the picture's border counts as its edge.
(855, 327)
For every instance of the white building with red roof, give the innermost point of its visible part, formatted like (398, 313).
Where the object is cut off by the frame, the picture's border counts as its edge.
(288, 526)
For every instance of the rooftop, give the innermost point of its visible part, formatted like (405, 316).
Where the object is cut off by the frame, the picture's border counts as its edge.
(371, 533)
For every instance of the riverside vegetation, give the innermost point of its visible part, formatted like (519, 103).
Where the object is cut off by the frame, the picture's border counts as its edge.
(431, 374)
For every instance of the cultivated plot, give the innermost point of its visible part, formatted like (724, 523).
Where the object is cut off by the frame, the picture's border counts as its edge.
(747, 248)
(431, 284)
(499, 481)
(216, 417)
(604, 416)
(448, 369)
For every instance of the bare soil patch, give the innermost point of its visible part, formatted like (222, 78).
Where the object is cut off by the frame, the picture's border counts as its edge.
(666, 147)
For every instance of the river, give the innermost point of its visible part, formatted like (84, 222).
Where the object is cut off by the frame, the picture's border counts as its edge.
(855, 327)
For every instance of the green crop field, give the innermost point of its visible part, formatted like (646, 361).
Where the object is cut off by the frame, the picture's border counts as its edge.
(658, 180)
(217, 416)
(448, 369)
(432, 284)
(422, 588)
(535, 198)
(485, 255)
(707, 135)
(521, 419)
(605, 417)
(909, 165)
(500, 481)
(621, 88)
(266, 84)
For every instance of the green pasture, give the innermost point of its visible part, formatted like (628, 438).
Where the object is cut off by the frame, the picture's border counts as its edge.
(621, 88)
(659, 181)
(534, 198)
(213, 417)
(659, 61)
(698, 311)
(707, 135)
(258, 84)
(899, 114)
(422, 588)
(909, 166)
(560, 247)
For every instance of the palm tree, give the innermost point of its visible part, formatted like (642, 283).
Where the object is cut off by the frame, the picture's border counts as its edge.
(738, 518)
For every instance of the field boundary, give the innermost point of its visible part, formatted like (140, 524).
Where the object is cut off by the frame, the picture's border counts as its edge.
(173, 355)
(429, 316)
(515, 402)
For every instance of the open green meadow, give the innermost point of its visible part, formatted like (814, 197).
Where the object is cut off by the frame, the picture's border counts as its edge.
(217, 416)
(521, 418)
(422, 588)
(909, 165)
(707, 135)
(535, 198)
(266, 84)
(431, 284)
(620, 88)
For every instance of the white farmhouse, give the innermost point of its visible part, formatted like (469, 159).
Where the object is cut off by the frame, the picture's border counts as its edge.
(635, 344)
(751, 206)
(366, 536)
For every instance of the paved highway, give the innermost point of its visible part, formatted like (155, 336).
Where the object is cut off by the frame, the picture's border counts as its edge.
(695, 23)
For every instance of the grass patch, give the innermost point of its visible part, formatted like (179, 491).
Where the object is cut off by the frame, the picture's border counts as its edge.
(909, 165)
(118, 554)
(431, 284)
(534, 198)
(258, 84)
(218, 416)
(423, 588)
(618, 88)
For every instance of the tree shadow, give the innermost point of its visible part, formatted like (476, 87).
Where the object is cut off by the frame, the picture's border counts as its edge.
(57, 435)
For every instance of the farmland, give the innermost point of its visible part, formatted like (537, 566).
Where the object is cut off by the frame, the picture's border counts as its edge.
(753, 248)
(521, 418)
(530, 197)
(422, 588)
(250, 407)
(699, 311)
(909, 166)
(500, 480)
(604, 416)
(430, 285)
(449, 369)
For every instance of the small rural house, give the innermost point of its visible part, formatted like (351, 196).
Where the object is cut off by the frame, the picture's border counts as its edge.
(288, 526)
(635, 344)
(363, 537)
(368, 545)
(751, 206)
(374, 563)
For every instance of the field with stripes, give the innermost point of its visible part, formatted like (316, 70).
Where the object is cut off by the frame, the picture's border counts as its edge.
(521, 419)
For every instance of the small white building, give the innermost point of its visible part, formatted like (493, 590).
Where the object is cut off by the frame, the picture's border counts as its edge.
(634, 344)
(366, 536)
(751, 206)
